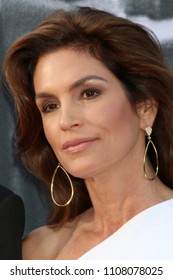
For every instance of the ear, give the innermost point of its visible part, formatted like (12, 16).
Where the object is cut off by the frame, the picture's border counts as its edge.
(147, 112)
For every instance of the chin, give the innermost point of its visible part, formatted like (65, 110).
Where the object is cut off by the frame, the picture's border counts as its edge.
(80, 171)
(78, 174)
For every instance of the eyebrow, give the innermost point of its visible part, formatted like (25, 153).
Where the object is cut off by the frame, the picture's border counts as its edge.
(82, 81)
(75, 85)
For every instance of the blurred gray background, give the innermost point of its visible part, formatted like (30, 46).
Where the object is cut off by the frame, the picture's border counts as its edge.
(20, 16)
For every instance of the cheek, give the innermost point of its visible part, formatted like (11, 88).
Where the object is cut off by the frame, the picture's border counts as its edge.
(116, 114)
(120, 121)
(49, 131)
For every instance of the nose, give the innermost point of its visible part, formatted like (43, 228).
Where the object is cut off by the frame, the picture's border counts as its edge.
(70, 117)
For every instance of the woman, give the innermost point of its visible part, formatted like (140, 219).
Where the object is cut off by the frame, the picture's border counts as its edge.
(12, 219)
(89, 88)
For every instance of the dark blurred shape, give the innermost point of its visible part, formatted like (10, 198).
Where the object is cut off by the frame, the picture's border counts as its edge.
(157, 9)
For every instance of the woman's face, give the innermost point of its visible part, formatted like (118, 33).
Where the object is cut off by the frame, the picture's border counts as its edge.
(87, 118)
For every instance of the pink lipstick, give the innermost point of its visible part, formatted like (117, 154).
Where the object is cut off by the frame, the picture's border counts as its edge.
(77, 145)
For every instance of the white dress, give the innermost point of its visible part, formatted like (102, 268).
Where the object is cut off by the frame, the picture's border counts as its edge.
(147, 236)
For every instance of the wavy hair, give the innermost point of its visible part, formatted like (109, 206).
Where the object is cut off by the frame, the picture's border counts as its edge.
(129, 50)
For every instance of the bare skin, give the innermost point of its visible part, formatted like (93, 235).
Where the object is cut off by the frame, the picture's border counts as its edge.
(89, 229)
(112, 165)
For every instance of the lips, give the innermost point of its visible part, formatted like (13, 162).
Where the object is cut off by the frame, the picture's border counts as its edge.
(76, 145)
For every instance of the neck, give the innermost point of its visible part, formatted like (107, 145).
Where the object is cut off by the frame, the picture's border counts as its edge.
(118, 198)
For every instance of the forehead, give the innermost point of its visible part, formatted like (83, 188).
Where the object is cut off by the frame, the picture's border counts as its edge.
(68, 64)
(62, 56)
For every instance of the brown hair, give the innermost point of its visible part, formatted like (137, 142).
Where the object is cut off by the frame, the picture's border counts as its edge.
(127, 49)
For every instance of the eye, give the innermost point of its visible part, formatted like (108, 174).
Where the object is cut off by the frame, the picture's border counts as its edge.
(50, 107)
(90, 93)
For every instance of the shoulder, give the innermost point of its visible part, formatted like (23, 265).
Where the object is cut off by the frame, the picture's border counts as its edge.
(12, 221)
(12, 209)
(7, 197)
(45, 243)
(40, 243)
(4, 193)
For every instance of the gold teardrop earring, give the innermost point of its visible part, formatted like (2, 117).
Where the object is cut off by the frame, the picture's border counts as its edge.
(148, 132)
(52, 186)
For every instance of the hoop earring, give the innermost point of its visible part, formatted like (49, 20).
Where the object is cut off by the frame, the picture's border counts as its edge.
(148, 132)
(52, 186)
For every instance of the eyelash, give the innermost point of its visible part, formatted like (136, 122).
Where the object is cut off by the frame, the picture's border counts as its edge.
(47, 107)
(92, 92)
